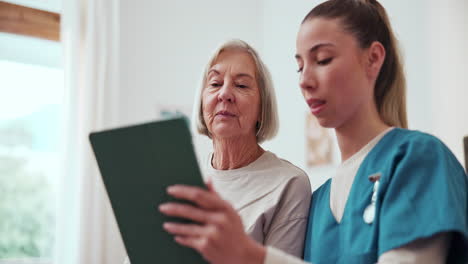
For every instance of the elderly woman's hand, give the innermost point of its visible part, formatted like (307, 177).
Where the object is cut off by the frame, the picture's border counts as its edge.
(219, 236)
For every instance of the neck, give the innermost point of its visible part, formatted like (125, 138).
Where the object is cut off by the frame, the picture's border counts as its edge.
(358, 131)
(234, 153)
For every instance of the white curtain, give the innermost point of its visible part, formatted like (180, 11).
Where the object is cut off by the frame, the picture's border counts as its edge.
(86, 230)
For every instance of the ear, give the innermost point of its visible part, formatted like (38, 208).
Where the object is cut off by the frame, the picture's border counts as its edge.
(375, 59)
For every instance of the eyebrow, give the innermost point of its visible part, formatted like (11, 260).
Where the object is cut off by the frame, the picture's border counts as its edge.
(315, 48)
(237, 75)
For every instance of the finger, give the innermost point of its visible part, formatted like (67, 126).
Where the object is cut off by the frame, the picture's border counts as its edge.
(199, 244)
(203, 198)
(186, 230)
(184, 211)
(191, 242)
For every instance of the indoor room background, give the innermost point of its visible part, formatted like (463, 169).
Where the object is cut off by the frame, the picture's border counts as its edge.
(121, 62)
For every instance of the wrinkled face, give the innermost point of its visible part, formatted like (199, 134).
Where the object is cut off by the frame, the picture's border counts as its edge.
(231, 97)
(332, 72)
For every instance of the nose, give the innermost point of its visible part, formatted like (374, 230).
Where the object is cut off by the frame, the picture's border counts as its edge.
(307, 79)
(226, 93)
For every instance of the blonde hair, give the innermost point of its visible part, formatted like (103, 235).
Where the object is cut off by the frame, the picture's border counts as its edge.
(368, 21)
(268, 124)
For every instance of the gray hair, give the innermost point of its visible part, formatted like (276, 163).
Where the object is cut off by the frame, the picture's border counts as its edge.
(268, 126)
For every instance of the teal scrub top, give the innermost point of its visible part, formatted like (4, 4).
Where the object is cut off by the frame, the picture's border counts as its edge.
(422, 192)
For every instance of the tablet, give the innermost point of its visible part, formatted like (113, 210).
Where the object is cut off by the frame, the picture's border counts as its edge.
(137, 164)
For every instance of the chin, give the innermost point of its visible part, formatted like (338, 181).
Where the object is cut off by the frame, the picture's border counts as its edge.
(327, 123)
(224, 132)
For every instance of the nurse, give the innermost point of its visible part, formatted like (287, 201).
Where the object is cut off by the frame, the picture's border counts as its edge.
(399, 196)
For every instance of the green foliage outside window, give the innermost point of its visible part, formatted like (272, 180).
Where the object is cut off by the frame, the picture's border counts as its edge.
(27, 219)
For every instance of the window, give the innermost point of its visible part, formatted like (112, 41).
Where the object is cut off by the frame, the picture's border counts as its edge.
(31, 94)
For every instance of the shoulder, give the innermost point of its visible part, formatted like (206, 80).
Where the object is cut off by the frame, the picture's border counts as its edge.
(418, 156)
(293, 176)
(415, 140)
(286, 167)
(299, 186)
(403, 145)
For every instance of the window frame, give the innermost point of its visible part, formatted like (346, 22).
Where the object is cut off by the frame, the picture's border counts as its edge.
(27, 21)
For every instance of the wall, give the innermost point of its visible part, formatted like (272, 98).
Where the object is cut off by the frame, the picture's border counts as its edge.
(449, 78)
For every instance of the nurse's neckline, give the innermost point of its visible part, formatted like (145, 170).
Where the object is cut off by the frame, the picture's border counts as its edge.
(373, 141)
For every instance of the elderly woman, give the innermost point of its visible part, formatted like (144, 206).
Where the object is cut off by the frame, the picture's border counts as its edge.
(236, 109)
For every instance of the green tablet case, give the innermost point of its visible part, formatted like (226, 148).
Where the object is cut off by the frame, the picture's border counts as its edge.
(137, 163)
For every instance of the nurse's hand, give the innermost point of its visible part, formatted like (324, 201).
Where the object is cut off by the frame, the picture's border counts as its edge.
(219, 237)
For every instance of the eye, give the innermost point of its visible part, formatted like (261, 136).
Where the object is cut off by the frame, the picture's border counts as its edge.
(324, 62)
(299, 70)
(242, 86)
(215, 84)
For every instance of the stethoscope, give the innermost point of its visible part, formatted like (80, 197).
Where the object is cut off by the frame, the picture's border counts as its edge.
(369, 212)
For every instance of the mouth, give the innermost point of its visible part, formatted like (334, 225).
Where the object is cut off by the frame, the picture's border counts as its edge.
(225, 113)
(316, 105)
